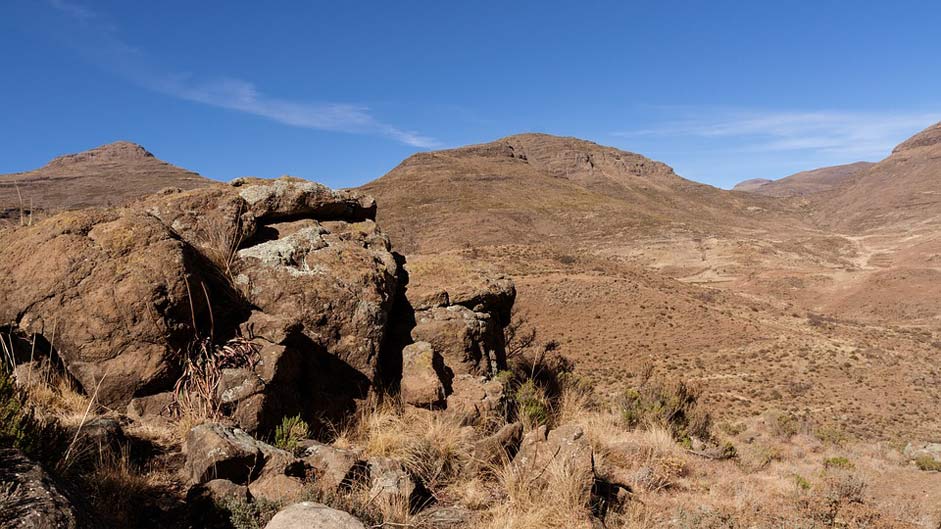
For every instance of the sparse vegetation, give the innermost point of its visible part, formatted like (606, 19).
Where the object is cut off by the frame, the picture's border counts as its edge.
(290, 432)
(928, 463)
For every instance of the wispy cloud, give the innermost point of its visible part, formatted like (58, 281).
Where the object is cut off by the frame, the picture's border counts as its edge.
(838, 133)
(99, 41)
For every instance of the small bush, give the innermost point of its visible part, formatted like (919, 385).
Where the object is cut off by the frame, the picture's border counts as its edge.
(532, 404)
(928, 463)
(674, 405)
(784, 425)
(838, 462)
(291, 431)
(250, 515)
(19, 426)
(802, 482)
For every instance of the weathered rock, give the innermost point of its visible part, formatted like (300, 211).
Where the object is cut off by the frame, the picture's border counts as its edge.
(390, 483)
(221, 490)
(334, 468)
(118, 286)
(289, 197)
(446, 517)
(335, 281)
(497, 448)
(421, 383)
(29, 498)
(277, 488)
(104, 434)
(152, 408)
(474, 399)
(214, 451)
(309, 515)
(566, 446)
(470, 342)
(914, 451)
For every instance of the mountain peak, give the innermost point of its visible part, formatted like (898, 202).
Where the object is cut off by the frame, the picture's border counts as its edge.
(119, 151)
(925, 138)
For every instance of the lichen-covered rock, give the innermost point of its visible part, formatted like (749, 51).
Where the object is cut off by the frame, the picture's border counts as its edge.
(463, 320)
(309, 515)
(497, 448)
(214, 451)
(333, 468)
(28, 496)
(390, 483)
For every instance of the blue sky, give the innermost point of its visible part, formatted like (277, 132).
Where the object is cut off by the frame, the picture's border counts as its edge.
(340, 92)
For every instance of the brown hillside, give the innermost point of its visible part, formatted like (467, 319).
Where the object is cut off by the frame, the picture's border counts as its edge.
(807, 182)
(903, 189)
(112, 174)
(542, 188)
(751, 185)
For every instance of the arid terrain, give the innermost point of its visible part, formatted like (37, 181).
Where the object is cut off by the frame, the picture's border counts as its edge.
(771, 302)
(411, 351)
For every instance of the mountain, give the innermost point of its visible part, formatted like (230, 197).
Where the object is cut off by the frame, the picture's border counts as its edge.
(112, 174)
(751, 185)
(807, 182)
(538, 188)
(902, 191)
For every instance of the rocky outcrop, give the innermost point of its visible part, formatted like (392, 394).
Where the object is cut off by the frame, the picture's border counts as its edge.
(288, 286)
(215, 452)
(28, 496)
(465, 324)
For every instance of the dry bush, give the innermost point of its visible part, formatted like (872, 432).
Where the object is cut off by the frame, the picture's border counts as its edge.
(432, 446)
(196, 397)
(558, 496)
(674, 404)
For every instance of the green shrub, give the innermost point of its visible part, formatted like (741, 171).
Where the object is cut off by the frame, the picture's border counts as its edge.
(838, 462)
(291, 431)
(802, 482)
(928, 463)
(784, 425)
(532, 404)
(675, 405)
(250, 515)
(18, 426)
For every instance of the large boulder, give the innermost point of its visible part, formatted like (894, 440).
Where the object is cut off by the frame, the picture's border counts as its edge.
(309, 515)
(120, 292)
(310, 261)
(28, 497)
(127, 291)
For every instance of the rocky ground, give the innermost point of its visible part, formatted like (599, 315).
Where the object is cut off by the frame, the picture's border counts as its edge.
(255, 354)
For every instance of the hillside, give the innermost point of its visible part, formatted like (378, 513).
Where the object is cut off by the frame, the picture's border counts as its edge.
(903, 190)
(807, 182)
(537, 188)
(112, 174)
